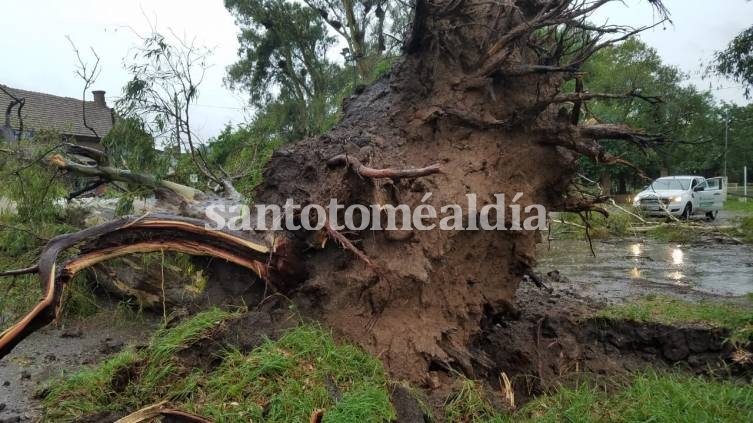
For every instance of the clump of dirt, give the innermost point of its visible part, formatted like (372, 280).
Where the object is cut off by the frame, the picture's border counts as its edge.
(556, 338)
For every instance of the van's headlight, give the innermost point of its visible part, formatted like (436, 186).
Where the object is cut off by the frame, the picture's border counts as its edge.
(676, 199)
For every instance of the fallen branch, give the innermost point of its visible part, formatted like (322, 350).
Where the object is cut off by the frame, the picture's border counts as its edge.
(24, 271)
(160, 410)
(362, 170)
(187, 193)
(144, 234)
(617, 132)
(585, 96)
(624, 210)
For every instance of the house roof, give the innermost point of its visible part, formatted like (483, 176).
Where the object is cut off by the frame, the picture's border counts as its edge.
(63, 114)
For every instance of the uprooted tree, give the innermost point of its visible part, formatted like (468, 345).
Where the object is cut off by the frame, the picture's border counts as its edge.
(480, 91)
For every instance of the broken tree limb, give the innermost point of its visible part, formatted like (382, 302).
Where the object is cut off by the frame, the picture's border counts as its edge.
(143, 234)
(17, 272)
(187, 193)
(369, 172)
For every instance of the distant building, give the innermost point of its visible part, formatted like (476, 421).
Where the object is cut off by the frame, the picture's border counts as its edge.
(40, 111)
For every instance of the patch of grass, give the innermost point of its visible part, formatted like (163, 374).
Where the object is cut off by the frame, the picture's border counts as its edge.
(650, 396)
(619, 224)
(673, 233)
(745, 229)
(111, 387)
(734, 204)
(86, 391)
(279, 381)
(470, 403)
(662, 309)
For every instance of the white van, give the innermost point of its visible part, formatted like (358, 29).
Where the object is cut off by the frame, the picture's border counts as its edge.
(683, 196)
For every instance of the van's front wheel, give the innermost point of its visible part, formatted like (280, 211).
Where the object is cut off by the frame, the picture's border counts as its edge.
(687, 212)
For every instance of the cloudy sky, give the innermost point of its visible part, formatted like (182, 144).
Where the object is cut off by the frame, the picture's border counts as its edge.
(37, 56)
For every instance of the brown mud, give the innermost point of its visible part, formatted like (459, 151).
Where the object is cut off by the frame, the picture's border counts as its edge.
(556, 338)
(53, 351)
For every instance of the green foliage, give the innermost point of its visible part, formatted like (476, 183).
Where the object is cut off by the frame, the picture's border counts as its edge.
(244, 151)
(469, 403)
(129, 145)
(32, 187)
(740, 149)
(283, 65)
(661, 309)
(279, 381)
(650, 396)
(686, 116)
(732, 204)
(736, 61)
(745, 229)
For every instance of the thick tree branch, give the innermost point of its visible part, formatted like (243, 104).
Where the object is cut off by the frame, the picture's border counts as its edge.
(114, 174)
(144, 234)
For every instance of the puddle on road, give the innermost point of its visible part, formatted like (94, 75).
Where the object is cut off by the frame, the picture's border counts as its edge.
(626, 268)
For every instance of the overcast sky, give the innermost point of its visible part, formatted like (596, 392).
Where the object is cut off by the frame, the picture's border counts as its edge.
(36, 55)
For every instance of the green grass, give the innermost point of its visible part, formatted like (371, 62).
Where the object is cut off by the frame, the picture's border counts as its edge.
(618, 224)
(734, 204)
(673, 233)
(662, 309)
(470, 403)
(279, 381)
(649, 397)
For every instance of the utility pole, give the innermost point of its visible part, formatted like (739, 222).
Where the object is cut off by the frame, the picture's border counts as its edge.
(726, 138)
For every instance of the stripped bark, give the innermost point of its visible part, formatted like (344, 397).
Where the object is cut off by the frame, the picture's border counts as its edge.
(131, 235)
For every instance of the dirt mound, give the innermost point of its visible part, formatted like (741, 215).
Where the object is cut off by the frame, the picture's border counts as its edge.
(556, 339)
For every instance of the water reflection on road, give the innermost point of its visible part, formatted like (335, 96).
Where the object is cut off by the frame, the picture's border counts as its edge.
(624, 268)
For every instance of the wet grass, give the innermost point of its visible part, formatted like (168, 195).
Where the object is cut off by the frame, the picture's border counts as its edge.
(661, 309)
(306, 370)
(279, 381)
(734, 204)
(649, 396)
(642, 397)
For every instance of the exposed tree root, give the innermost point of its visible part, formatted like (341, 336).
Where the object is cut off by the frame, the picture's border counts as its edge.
(346, 244)
(362, 170)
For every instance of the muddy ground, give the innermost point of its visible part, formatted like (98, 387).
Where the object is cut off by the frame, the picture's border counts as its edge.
(545, 338)
(713, 267)
(51, 351)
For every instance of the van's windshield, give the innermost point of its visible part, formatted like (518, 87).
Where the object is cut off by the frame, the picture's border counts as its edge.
(671, 184)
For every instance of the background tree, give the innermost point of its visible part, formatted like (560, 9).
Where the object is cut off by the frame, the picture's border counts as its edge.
(283, 65)
(659, 100)
(166, 74)
(736, 61)
(361, 24)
